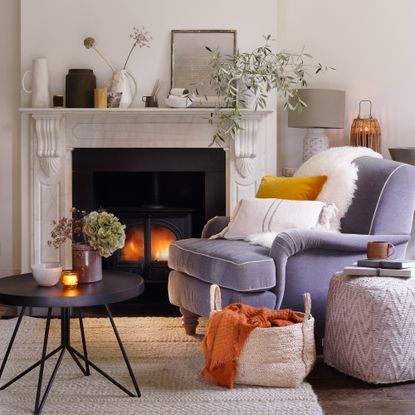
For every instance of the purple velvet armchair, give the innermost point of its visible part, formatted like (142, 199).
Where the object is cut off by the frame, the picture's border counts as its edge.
(299, 260)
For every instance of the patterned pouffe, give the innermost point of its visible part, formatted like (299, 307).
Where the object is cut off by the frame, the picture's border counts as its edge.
(370, 328)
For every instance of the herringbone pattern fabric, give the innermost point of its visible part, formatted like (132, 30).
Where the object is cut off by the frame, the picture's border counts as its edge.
(370, 328)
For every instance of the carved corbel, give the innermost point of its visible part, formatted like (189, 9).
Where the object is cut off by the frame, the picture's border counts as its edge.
(48, 131)
(245, 147)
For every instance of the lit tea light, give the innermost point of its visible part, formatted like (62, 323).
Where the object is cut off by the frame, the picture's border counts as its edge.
(69, 279)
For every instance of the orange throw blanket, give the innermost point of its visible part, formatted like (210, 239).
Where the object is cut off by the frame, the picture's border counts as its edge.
(226, 335)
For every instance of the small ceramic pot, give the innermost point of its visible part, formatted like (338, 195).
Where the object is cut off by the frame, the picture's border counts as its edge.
(47, 275)
(87, 263)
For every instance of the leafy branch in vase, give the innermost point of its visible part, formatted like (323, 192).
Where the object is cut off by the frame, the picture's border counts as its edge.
(245, 80)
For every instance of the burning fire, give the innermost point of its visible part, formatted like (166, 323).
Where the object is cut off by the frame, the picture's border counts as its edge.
(161, 238)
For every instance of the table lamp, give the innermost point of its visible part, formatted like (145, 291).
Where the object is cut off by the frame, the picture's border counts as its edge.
(325, 110)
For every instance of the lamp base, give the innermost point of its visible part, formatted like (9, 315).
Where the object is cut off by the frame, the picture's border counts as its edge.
(315, 141)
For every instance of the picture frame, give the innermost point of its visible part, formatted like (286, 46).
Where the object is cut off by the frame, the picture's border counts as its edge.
(190, 61)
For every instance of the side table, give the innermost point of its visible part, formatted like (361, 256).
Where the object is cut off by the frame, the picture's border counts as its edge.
(23, 291)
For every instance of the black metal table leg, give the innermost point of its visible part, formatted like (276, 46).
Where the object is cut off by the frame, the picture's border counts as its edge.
(81, 326)
(124, 353)
(42, 364)
(29, 369)
(66, 346)
(9, 347)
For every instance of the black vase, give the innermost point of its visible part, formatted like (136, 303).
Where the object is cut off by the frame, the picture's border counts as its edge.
(79, 88)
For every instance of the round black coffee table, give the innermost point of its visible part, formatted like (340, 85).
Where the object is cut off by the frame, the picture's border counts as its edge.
(22, 290)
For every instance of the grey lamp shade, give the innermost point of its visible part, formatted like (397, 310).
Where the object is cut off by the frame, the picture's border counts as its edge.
(325, 109)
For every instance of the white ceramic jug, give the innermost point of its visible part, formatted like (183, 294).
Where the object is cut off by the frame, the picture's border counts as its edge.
(124, 82)
(40, 83)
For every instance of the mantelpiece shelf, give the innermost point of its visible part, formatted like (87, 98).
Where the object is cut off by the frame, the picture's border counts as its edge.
(138, 111)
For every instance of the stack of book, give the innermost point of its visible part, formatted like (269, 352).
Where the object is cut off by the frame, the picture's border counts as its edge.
(400, 268)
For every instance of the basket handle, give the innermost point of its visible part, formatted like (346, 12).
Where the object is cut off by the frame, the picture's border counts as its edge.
(307, 306)
(215, 298)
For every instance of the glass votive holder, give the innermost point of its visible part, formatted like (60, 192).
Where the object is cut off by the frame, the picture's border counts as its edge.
(69, 279)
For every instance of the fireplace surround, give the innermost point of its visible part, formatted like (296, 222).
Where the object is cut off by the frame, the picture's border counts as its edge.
(49, 136)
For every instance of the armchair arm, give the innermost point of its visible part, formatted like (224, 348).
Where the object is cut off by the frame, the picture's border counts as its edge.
(293, 241)
(317, 255)
(215, 225)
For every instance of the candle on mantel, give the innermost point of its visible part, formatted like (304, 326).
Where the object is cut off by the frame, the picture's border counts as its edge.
(69, 279)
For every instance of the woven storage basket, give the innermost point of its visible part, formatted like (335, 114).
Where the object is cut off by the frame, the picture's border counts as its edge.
(276, 356)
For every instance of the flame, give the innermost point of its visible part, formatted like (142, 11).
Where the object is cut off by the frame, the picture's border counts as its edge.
(134, 244)
(161, 238)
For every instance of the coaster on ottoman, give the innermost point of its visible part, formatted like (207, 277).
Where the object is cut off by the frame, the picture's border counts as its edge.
(370, 328)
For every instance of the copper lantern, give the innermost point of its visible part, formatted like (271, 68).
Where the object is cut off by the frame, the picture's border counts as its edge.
(365, 132)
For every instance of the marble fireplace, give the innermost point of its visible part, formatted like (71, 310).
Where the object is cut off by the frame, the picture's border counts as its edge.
(49, 136)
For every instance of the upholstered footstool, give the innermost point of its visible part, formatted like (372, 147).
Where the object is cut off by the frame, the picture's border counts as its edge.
(370, 328)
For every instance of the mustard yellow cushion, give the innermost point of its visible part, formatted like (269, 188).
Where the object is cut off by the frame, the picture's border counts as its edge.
(291, 188)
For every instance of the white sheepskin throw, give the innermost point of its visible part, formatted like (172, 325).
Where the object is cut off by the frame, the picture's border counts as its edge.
(263, 239)
(337, 164)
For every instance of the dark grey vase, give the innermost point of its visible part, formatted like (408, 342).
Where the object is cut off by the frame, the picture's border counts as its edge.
(79, 88)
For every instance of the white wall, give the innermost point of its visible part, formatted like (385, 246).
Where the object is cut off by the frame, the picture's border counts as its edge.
(9, 136)
(65, 24)
(371, 44)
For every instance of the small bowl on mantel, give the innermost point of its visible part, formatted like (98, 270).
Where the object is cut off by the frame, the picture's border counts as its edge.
(47, 275)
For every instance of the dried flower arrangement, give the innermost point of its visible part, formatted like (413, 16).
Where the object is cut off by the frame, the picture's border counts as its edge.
(141, 38)
(101, 230)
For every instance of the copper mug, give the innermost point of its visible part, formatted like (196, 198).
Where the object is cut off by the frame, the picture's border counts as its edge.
(380, 250)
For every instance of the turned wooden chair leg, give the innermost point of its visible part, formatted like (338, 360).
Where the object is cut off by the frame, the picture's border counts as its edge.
(190, 321)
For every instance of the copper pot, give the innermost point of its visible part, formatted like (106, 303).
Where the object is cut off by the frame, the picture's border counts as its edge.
(87, 262)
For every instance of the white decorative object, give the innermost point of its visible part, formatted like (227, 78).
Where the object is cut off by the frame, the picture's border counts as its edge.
(48, 141)
(40, 83)
(245, 149)
(370, 328)
(177, 102)
(337, 164)
(47, 275)
(253, 216)
(50, 135)
(123, 81)
(315, 141)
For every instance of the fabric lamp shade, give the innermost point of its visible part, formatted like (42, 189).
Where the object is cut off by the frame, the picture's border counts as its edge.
(325, 109)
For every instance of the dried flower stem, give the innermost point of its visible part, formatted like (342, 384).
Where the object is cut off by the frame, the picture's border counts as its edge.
(104, 58)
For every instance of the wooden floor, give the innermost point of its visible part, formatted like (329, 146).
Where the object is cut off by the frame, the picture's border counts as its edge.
(340, 394)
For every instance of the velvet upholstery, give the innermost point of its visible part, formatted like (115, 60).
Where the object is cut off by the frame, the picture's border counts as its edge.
(305, 260)
(230, 264)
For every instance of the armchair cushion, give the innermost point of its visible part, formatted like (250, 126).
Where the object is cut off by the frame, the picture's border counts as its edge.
(236, 265)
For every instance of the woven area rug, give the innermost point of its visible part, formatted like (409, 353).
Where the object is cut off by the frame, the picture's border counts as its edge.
(167, 364)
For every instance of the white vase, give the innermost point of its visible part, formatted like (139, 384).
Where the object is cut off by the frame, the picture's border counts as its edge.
(248, 97)
(40, 83)
(124, 82)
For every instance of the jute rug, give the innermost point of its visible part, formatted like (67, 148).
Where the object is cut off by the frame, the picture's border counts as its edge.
(167, 364)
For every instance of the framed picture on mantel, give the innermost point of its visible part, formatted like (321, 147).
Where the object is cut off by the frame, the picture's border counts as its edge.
(190, 61)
